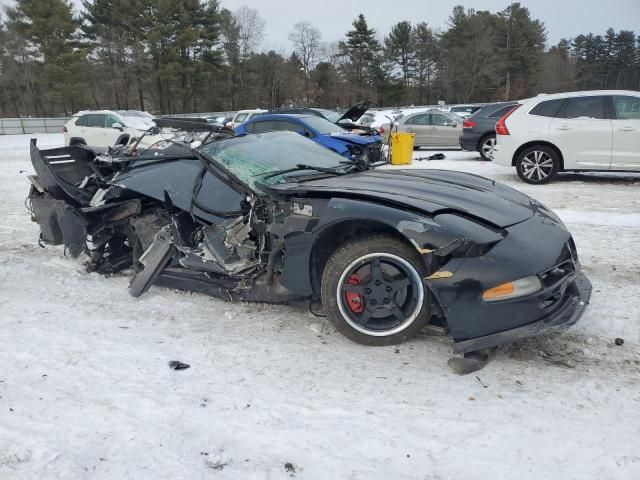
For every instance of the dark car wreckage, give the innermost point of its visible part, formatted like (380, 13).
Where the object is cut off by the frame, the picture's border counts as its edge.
(275, 217)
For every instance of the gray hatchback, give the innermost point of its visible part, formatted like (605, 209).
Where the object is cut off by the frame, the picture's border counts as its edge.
(479, 130)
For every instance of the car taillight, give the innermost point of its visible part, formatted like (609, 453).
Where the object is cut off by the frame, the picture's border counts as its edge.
(501, 127)
(64, 130)
(468, 124)
(381, 130)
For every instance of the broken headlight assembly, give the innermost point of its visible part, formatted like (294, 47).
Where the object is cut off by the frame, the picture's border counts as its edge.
(517, 288)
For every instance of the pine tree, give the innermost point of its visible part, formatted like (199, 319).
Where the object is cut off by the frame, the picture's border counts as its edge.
(49, 31)
(521, 47)
(400, 48)
(427, 54)
(360, 49)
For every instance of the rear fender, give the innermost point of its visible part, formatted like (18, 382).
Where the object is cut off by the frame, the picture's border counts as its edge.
(60, 223)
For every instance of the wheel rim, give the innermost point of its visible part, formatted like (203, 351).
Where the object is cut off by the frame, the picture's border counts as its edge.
(390, 290)
(488, 147)
(537, 165)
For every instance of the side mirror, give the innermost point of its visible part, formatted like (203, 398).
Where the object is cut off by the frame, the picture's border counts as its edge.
(303, 132)
(117, 126)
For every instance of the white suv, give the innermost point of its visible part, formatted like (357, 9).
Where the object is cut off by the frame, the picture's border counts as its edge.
(594, 130)
(106, 128)
(242, 116)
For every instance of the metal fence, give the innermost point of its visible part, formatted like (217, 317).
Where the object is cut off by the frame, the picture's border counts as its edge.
(199, 115)
(17, 126)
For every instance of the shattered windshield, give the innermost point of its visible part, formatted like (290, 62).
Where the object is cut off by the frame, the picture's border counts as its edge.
(253, 157)
(328, 114)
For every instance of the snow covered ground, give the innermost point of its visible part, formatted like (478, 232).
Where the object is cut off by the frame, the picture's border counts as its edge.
(274, 392)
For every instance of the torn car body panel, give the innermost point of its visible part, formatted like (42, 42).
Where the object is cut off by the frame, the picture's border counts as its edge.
(238, 218)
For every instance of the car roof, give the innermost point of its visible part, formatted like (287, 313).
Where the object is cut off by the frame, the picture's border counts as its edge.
(102, 112)
(583, 93)
(492, 107)
(295, 116)
(255, 110)
(467, 105)
(427, 110)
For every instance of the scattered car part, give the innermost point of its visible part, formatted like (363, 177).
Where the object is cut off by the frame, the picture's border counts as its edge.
(176, 365)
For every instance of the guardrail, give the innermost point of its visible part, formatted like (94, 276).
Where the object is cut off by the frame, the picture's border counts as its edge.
(17, 126)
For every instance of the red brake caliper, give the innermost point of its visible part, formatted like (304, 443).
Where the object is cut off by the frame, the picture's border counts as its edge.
(354, 300)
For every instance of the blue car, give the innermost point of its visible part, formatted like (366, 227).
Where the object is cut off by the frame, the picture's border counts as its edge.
(350, 145)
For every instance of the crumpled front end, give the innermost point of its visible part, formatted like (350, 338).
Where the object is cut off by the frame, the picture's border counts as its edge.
(539, 250)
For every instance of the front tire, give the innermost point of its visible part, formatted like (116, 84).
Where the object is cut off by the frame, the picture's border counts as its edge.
(373, 293)
(537, 164)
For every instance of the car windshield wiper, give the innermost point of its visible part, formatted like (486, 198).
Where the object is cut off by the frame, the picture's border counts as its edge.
(302, 166)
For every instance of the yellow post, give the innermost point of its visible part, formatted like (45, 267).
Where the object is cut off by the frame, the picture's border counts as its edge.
(402, 148)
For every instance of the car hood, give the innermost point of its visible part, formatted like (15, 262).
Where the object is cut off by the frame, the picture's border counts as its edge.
(355, 112)
(431, 191)
(357, 139)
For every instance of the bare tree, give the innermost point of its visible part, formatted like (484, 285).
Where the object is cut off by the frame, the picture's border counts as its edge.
(250, 30)
(306, 43)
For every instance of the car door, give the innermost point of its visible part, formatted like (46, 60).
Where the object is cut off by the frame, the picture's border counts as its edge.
(111, 133)
(444, 130)
(94, 135)
(263, 126)
(418, 124)
(625, 153)
(583, 133)
(291, 126)
(80, 128)
(216, 200)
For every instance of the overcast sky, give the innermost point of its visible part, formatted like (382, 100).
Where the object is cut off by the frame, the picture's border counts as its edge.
(563, 18)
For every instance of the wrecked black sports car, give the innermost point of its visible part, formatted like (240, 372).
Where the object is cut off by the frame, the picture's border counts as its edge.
(275, 217)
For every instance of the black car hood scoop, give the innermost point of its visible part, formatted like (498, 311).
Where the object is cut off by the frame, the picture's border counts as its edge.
(431, 191)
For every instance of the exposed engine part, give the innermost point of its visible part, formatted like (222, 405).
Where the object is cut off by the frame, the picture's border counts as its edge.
(226, 250)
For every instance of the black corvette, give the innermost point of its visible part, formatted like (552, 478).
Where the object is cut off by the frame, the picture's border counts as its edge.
(276, 217)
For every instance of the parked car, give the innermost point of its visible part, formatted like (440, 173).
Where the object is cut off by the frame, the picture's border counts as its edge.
(330, 115)
(433, 128)
(593, 130)
(380, 121)
(348, 120)
(320, 130)
(243, 116)
(465, 111)
(479, 130)
(106, 128)
(276, 217)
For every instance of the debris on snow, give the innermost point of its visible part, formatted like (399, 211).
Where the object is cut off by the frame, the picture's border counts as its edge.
(471, 362)
(290, 468)
(176, 365)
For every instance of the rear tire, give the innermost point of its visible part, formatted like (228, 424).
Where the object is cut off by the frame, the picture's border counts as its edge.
(486, 147)
(538, 164)
(373, 293)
